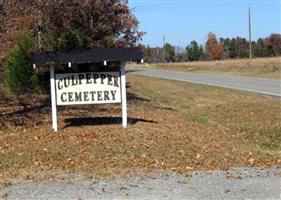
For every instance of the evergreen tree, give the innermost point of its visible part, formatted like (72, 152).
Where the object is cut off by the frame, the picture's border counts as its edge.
(19, 74)
(169, 53)
(260, 49)
(194, 51)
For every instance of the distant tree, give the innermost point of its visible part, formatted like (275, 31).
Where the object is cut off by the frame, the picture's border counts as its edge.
(232, 50)
(181, 57)
(152, 55)
(227, 46)
(193, 51)
(260, 50)
(213, 47)
(147, 53)
(242, 46)
(169, 53)
(273, 44)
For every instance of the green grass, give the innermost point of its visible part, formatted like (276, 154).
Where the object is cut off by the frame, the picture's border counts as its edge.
(9, 159)
(201, 119)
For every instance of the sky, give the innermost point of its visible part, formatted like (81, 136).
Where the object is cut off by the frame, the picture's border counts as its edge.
(182, 21)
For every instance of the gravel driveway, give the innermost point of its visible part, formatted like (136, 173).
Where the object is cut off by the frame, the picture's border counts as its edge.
(242, 183)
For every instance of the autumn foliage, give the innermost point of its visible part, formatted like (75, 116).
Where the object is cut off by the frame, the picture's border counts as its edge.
(213, 47)
(273, 44)
(69, 24)
(76, 24)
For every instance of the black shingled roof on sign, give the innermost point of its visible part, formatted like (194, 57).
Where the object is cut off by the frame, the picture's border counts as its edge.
(88, 56)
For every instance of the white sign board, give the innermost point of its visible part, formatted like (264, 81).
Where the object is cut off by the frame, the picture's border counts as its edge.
(88, 88)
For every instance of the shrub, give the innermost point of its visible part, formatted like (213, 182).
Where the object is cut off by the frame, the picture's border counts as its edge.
(19, 74)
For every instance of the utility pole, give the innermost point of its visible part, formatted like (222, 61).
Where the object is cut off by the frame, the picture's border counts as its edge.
(164, 50)
(250, 35)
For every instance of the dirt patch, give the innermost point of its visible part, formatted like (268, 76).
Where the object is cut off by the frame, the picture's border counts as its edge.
(173, 126)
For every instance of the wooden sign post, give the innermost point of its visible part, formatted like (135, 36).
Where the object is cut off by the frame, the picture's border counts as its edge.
(85, 88)
(53, 99)
(124, 96)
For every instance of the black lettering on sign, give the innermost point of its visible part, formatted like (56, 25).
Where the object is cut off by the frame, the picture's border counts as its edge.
(70, 97)
(96, 76)
(106, 96)
(60, 84)
(103, 77)
(88, 78)
(116, 81)
(113, 93)
(109, 80)
(63, 97)
(66, 82)
(93, 95)
(86, 96)
(78, 96)
(74, 81)
(81, 77)
(100, 96)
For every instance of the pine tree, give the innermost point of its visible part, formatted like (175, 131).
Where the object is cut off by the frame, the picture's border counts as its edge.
(193, 51)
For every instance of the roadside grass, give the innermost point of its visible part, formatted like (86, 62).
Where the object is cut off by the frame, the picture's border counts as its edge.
(258, 67)
(173, 126)
(267, 141)
(202, 119)
(254, 118)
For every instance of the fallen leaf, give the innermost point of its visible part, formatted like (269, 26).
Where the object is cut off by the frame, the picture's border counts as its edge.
(251, 161)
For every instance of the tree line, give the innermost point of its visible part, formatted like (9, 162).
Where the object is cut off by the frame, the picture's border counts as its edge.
(215, 49)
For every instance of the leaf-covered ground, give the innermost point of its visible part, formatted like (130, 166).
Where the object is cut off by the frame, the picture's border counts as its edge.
(173, 126)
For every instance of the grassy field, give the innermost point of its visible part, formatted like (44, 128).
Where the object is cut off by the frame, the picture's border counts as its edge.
(173, 126)
(259, 67)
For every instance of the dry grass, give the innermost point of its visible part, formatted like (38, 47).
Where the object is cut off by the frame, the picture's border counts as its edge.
(259, 67)
(173, 126)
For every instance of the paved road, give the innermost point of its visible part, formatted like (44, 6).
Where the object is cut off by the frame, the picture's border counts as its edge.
(257, 85)
(241, 183)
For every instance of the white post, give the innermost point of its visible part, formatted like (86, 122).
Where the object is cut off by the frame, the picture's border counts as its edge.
(53, 97)
(124, 96)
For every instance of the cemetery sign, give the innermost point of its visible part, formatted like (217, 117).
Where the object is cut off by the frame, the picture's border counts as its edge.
(88, 87)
